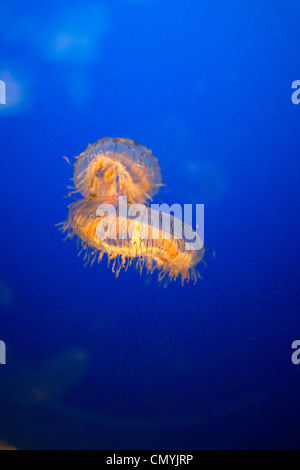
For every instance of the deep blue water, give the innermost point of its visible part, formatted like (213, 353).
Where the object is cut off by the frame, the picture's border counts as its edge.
(98, 362)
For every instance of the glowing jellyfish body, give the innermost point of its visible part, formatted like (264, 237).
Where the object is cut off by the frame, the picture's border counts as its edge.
(146, 243)
(113, 167)
(117, 166)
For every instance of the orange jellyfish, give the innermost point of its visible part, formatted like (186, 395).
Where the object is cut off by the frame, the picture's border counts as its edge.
(114, 167)
(117, 166)
(146, 243)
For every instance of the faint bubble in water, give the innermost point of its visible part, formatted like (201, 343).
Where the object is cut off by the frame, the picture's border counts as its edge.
(75, 35)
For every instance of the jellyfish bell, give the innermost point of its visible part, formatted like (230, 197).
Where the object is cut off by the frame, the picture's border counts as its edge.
(113, 166)
(125, 238)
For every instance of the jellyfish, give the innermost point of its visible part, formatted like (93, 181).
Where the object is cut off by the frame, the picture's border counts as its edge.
(104, 173)
(146, 242)
(113, 166)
